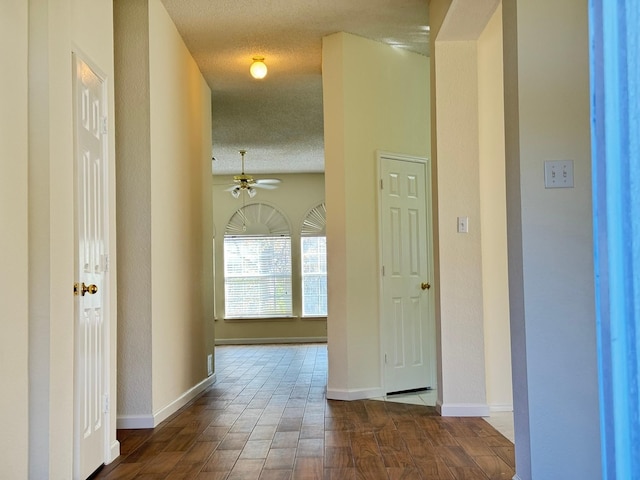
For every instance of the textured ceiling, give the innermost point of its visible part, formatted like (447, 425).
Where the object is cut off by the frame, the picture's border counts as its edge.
(278, 120)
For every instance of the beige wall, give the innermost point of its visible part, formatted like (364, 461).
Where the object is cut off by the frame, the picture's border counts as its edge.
(460, 274)
(14, 311)
(550, 267)
(493, 213)
(56, 30)
(297, 194)
(50, 240)
(376, 97)
(550, 240)
(131, 27)
(181, 213)
(164, 217)
(469, 158)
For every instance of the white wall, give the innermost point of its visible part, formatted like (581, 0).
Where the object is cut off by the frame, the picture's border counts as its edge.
(550, 241)
(296, 195)
(375, 97)
(164, 217)
(14, 311)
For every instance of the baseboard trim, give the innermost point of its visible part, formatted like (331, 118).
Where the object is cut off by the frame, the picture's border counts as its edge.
(265, 341)
(501, 407)
(114, 451)
(348, 395)
(135, 422)
(463, 409)
(164, 413)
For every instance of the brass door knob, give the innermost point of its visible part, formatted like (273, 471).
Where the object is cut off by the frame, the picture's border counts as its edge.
(82, 289)
(425, 286)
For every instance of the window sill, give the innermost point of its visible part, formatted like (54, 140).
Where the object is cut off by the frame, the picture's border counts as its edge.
(259, 319)
(313, 317)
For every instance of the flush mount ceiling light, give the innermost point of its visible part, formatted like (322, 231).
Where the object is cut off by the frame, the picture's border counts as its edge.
(258, 69)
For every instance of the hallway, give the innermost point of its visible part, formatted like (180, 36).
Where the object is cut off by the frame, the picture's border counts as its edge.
(267, 418)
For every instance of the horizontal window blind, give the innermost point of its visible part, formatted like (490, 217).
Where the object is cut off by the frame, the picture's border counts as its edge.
(257, 272)
(314, 276)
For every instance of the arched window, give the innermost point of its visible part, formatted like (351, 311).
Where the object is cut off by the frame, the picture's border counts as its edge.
(257, 263)
(313, 253)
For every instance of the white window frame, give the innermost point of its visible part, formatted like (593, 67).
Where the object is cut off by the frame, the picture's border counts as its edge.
(313, 226)
(267, 291)
(322, 273)
(252, 282)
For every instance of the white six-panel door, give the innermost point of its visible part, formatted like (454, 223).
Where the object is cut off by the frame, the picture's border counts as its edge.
(91, 268)
(407, 323)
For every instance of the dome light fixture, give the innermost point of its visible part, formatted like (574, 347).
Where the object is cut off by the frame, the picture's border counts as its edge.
(258, 69)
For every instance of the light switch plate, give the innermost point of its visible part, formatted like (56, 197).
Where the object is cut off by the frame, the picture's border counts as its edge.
(558, 174)
(463, 224)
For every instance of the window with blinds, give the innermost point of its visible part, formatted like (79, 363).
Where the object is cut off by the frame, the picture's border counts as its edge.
(257, 273)
(313, 254)
(314, 276)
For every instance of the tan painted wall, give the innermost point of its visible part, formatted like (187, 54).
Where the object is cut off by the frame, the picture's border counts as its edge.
(297, 194)
(131, 27)
(164, 215)
(495, 284)
(14, 311)
(375, 97)
(181, 212)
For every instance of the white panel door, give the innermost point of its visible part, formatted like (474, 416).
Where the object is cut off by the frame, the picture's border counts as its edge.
(407, 322)
(91, 267)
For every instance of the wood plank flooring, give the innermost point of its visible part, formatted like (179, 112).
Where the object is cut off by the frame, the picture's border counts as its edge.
(267, 418)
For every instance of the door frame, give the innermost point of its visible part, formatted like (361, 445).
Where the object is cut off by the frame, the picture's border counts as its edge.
(431, 347)
(109, 402)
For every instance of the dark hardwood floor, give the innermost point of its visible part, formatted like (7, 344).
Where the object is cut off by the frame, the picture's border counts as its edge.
(267, 418)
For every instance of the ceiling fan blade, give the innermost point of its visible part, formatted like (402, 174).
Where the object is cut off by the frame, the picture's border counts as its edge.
(266, 186)
(268, 181)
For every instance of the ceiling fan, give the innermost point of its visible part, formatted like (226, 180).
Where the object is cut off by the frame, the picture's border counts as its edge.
(246, 183)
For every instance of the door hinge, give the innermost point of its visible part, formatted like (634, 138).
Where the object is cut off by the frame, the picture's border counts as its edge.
(383, 270)
(381, 185)
(105, 262)
(105, 408)
(385, 358)
(103, 126)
